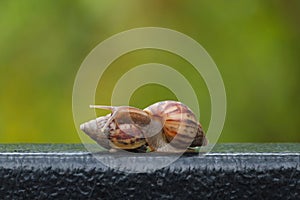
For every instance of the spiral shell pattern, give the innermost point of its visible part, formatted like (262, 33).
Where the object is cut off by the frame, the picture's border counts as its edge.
(180, 126)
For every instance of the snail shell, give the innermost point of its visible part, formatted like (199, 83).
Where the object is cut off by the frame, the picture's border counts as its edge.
(123, 128)
(167, 126)
(180, 129)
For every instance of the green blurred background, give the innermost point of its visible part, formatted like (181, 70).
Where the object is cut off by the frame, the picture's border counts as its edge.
(254, 43)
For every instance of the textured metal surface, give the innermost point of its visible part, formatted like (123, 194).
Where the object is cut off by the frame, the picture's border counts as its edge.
(41, 172)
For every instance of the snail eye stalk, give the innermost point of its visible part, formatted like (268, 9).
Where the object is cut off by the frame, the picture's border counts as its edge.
(114, 110)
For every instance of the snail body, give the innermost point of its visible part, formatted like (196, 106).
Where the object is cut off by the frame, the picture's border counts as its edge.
(167, 126)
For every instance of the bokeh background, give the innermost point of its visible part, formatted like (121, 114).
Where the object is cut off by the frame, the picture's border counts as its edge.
(255, 44)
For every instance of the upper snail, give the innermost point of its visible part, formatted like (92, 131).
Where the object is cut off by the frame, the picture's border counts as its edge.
(167, 126)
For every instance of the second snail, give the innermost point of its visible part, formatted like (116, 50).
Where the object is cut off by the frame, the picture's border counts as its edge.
(166, 126)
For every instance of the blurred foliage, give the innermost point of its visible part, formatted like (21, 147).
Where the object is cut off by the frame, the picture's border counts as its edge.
(255, 45)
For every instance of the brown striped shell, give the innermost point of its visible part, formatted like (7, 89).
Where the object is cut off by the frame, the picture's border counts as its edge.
(180, 129)
(167, 126)
(120, 129)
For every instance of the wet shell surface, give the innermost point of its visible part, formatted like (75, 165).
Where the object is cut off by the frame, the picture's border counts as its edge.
(167, 126)
(180, 126)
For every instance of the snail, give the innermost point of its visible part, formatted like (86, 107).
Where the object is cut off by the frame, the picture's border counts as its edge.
(166, 126)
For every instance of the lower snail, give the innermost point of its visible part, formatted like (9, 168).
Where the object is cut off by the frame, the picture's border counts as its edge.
(167, 126)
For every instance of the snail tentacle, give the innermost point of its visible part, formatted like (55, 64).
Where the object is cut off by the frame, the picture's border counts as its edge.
(114, 113)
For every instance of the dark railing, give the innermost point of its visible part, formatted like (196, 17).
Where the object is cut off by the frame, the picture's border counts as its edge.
(230, 171)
